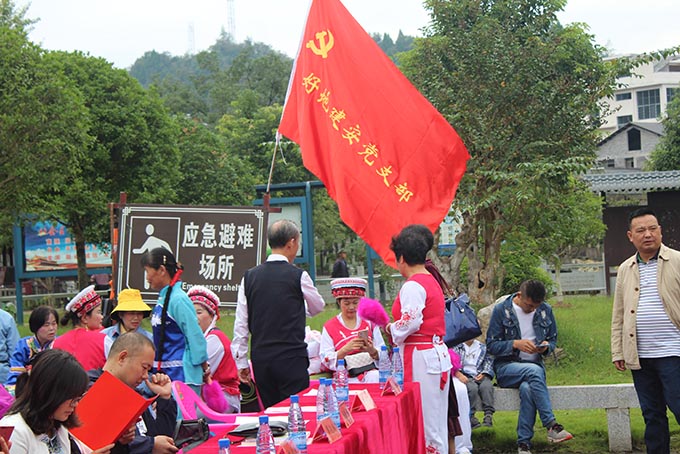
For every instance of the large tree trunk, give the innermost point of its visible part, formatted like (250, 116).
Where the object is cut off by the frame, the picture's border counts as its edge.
(557, 263)
(449, 266)
(485, 270)
(79, 237)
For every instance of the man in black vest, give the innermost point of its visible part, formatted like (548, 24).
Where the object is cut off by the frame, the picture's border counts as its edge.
(273, 299)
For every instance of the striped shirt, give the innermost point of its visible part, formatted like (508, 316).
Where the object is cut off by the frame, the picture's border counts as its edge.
(657, 336)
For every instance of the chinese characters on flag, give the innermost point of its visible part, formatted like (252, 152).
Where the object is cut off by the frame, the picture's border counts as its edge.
(384, 153)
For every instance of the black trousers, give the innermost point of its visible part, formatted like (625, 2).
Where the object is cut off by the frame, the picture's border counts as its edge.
(278, 378)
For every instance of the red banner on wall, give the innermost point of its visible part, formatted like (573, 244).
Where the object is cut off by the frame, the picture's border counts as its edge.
(384, 153)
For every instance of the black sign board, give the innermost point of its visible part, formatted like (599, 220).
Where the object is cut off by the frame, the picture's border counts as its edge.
(215, 244)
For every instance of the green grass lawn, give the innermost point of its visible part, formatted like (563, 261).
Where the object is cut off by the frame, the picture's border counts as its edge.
(584, 327)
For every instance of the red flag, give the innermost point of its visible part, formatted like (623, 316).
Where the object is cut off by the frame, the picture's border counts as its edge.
(384, 153)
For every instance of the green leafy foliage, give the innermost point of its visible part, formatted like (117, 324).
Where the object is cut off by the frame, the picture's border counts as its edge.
(666, 156)
(523, 92)
(43, 125)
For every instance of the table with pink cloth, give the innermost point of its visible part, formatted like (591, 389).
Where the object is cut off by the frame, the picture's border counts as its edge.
(395, 426)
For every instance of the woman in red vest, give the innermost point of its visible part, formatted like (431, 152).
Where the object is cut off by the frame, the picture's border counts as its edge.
(349, 337)
(222, 365)
(418, 330)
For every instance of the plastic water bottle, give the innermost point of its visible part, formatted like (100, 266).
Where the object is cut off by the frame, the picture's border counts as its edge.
(397, 367)
(384, 366)
(332, 403)
(321, 409)
(341, 381)
(224, 444)
(264, 444)
(297, 430)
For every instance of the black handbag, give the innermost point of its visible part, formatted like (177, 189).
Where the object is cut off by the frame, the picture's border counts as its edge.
(249, 429)
(191, 432)
(461, 321)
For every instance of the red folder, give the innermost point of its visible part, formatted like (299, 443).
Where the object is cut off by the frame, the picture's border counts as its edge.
(108, 409)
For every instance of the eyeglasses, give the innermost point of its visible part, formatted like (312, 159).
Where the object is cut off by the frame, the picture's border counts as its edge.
(76, 400)
(650, 229)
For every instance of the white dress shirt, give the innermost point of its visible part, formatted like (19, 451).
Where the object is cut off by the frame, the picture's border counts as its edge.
(314, 304)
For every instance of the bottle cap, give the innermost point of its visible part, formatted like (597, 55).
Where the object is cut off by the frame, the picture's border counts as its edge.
(264, 419)
(383, 348)
(224, 443)
(294, 399)
(395, 349)
(341, 362)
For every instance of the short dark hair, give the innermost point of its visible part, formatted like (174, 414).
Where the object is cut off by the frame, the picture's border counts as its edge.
(161, 256)
(55, 377)
(533, 289)
(281, 232)
(131, 341)
(39, 317)
(413, 243)
(644, 211)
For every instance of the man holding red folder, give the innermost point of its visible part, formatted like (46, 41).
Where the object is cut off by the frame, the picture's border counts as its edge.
(130, 359)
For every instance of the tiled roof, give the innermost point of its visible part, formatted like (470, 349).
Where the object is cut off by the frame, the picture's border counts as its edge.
(632, 182)
(653, 127)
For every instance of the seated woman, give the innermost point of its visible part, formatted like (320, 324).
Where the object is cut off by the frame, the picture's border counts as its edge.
(222, 364)
(85, 341)
(349, 335)
(128, 315)
(45, 406)
(43, 325)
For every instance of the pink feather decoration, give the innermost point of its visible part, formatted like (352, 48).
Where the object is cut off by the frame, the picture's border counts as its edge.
(373, 311)
(455, 361)
(214, 397)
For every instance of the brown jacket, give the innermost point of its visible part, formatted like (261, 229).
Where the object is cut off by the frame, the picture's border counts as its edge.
(627, 294)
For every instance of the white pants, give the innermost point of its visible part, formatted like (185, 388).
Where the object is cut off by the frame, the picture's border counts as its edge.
(435, 403)
(463, 442)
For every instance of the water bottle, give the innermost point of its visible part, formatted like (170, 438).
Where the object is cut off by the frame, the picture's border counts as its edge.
(224, 444)
(264, 444)
(297, 430)
(332, 403)
(397, 367)
(341, 381)
(321, 411)
(384, 366)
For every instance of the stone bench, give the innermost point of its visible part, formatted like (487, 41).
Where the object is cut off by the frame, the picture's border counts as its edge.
(615, 399)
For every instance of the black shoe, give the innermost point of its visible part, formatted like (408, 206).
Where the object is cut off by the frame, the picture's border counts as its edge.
(488, 421)
(474, 423)
(523, 448)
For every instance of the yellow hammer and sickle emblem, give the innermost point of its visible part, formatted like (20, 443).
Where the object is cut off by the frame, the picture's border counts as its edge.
(324, 47)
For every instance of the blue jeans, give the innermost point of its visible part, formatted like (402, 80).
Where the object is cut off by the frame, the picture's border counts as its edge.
(533, 395)
(658, 386)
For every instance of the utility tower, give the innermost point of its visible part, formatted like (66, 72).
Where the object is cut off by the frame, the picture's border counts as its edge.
(231, 20)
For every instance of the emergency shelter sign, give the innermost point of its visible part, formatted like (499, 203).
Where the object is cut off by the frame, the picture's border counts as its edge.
(216, 245)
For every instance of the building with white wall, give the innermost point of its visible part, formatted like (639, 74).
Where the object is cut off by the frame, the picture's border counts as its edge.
(633, 127)
(643, 96)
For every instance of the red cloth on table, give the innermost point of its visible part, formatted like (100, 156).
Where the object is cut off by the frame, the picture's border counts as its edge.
(395, 426)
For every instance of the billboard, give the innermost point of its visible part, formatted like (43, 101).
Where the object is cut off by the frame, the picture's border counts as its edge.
(215, 244)
(48, 246)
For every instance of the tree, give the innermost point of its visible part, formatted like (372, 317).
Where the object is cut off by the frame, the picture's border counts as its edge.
(523, 92)
(666, 156)
(134, 150)
(43, 125)
(210, 175)
(572, 219)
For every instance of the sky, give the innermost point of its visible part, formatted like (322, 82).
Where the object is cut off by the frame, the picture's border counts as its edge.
(123, 30)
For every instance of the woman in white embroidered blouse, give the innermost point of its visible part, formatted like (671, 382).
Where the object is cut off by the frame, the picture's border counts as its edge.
(44, 410)
(349, 335)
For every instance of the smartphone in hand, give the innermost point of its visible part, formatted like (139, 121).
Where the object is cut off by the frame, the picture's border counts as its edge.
(363, 334)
